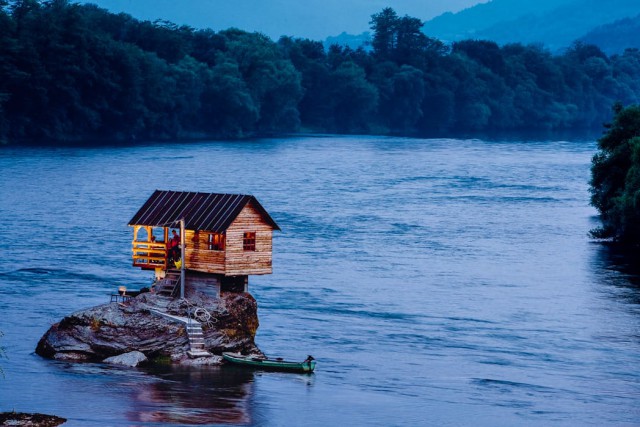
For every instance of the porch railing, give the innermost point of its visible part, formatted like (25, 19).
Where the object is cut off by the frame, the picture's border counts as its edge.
(150, 255)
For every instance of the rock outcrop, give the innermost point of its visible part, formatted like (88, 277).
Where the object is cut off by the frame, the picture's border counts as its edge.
(21, 419)
(229, 324)
(133, 358)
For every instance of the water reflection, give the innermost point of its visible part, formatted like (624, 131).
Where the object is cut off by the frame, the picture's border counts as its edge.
(197, 395)
(622, 258)
(619, 267)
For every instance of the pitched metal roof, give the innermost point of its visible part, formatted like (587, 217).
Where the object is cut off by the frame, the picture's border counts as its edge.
(201, 211)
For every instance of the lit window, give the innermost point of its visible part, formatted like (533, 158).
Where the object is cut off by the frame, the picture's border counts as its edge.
(249, 241)
(215, 242)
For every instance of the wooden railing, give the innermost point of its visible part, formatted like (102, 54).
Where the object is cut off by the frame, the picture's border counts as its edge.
(150, 255)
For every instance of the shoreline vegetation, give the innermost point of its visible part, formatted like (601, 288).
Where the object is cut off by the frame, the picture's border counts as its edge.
(78, 74)
(615, 178)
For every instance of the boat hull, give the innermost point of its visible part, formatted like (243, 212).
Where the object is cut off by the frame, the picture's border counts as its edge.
(270, 364)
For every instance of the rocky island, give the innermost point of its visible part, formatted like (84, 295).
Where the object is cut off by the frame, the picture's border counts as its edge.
(21, 419)
(152, 327)
(202, 247)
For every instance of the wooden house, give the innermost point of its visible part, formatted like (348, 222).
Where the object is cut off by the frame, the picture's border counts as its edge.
(224, 238)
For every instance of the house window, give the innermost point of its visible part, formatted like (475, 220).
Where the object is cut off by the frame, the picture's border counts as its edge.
(215, 241)
(249, 241)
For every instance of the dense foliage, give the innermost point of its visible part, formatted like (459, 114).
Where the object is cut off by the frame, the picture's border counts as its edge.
(78, 72)
(615, 177)
(613, 37)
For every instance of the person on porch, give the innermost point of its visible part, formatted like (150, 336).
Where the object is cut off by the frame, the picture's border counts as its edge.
(174, 246)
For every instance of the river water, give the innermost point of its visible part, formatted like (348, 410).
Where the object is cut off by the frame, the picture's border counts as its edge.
(437, 282)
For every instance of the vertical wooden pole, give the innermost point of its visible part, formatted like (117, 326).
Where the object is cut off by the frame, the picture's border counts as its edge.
(165, 231)
(182, 258)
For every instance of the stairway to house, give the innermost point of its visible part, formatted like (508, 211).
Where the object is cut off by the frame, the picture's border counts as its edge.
(196, 341)
(194, 334)
(169, 285)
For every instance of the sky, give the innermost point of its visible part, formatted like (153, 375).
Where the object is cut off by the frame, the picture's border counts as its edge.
(313, 19)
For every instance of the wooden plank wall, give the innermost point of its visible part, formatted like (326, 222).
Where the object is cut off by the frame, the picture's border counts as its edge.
(239, 262)
(198, 255)
(233, 261)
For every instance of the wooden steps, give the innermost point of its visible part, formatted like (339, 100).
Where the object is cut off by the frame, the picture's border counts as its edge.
(196, 341)
(194, 334)
(169, 285)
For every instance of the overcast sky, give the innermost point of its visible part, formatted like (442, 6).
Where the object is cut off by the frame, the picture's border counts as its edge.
(314, 19)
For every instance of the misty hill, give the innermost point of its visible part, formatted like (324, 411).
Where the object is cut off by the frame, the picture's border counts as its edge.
(314, 19)
(352, 41)
(468, 23)
(556, 24)
(617, 36)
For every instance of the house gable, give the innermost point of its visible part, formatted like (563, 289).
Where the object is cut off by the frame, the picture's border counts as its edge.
(242, 261)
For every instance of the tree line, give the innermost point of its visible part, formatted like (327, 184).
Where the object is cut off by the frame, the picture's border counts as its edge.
(71, 72)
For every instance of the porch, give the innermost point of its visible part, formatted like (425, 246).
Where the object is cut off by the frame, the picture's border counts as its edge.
(151, 247)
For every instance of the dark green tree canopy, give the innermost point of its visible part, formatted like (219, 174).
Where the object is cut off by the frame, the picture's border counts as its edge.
(77, 73)
(615, 177)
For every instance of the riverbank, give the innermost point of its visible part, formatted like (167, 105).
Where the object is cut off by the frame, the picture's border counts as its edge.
(582, 134)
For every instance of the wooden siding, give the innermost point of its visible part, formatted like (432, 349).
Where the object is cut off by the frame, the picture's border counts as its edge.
(239, 261)
(198, 255)
(234, 260)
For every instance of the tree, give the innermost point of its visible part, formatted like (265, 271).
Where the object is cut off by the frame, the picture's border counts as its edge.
(354, 98)
(402, 41)
(615, 177)
(228, 109)
(273, 81)
(385, 33)
(626, 69)
(401, 91)
(410, 41)
(486, 53)
(8, 48)
(310, 60)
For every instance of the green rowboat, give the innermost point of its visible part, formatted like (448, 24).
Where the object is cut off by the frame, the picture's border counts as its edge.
(271, 364)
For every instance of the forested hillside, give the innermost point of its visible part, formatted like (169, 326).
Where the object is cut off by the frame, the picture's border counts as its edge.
(77, 72)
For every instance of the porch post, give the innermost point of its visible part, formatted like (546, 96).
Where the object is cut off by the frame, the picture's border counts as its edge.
(182, 258)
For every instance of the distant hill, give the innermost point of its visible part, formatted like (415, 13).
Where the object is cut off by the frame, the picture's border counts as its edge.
(353, 41)
(616, 36)
(554, 23)
(315, 19)
(470, 22)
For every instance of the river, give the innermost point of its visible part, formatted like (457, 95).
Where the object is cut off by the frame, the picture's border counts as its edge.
(437, 282)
